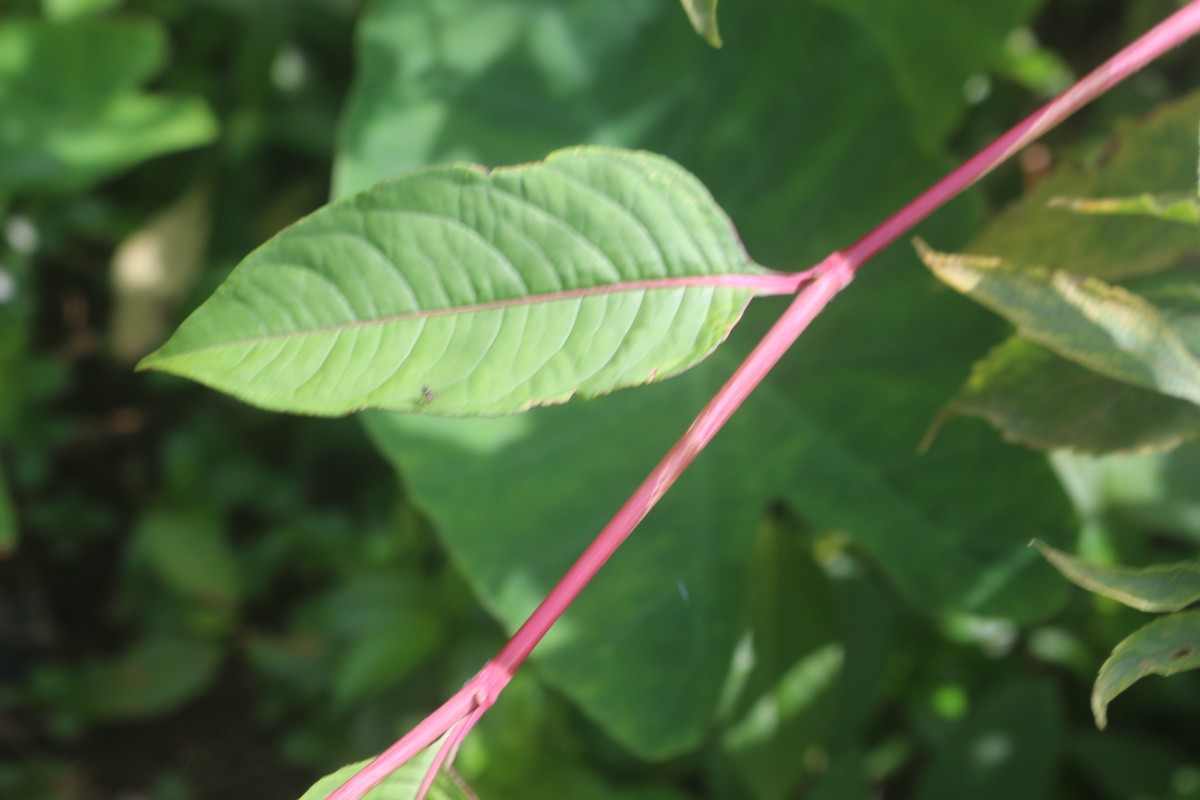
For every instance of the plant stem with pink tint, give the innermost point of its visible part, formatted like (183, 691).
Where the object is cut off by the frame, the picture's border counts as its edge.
(828, 278)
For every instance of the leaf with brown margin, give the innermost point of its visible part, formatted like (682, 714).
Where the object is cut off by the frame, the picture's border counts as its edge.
(1161, 587)
(1164, 647)
(1104, 327)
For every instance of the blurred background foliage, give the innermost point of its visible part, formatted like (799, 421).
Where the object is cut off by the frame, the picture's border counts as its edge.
(201, 600)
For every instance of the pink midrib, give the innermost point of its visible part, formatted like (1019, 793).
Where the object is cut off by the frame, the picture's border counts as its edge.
(771, 283)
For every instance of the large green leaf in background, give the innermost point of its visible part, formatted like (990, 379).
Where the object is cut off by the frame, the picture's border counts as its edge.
(457, 291)
(934, 47)
(804, 160)
(1008, 747)
(73, 113)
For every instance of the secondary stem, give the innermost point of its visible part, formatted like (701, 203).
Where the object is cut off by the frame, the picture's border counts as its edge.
(832, 274)
(829, 277)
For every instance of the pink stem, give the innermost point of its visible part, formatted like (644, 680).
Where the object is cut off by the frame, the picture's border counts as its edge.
(1170, 33)
(832, 275)
(828, 278)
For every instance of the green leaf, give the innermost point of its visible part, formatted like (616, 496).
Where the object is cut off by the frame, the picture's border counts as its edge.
(188, 550)
(515, 500)
(1175, 208)
(1045, 401)
(790, 697)
(401, 784)
(533, 719)
(1162, 587)
(8, 520)
(1008, 747)
(703, 16)
(1164, 647)
(385, 625)
(455, 291)
(512, 80)
(155, 676)
(929, 67)
(1156, 155)
(73, 112)
(1104, 327)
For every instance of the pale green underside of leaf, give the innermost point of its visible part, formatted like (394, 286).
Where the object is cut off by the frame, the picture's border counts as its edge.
(1045, 401)
(400, 785)
(1106, 328)
(454, 291)
(1164, 647)
(703, 16)
(1163, 587)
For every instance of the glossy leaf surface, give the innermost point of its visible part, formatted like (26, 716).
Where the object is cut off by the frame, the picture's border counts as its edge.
(455, 291)
(1164, 647)
(1162, 587)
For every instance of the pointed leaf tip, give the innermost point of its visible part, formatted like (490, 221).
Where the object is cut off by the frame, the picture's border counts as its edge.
(457, 291)
(703, 16)
(1162, 587)
(1164, 647)
(1134, 338)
